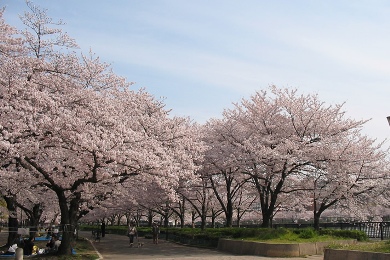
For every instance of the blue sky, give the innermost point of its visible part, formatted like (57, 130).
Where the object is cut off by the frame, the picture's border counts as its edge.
(203, 55)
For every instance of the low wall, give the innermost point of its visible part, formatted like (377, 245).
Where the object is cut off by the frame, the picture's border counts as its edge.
(337, 254)
(241, 247)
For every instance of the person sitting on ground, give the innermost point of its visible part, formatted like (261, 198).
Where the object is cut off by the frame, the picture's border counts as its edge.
(57, 244)
(35, 250)
(50, 244)
(28, 246)
(11, 250)
(49, 232)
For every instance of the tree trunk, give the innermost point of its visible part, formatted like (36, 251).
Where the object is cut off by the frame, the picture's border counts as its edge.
(268, 199)
(266, 219)
(33, 215)
(182, 212)
(229, 214)
(36, 213)
(203, 215)
(203, 222)
(68, 222)
(214, 215)
(267, 208)
(138, 216)
(193, 214)
(35, 218)
(316, 221)
(317, 215)
(150, 218)
(12, 220)
(319, 209)
(238, 218)
(166, 216)
(228, 208)
(181, 221)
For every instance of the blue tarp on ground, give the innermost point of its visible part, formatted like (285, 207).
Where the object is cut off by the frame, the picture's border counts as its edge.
(42, 238)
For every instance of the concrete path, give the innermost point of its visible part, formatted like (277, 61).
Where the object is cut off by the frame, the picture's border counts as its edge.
(117, 247)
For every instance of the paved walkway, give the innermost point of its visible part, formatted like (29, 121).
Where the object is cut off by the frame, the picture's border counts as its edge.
(117, 247)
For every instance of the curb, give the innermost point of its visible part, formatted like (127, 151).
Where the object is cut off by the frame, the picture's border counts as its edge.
(97, 252)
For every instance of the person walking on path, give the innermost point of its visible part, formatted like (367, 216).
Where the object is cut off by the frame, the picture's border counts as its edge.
(131, 233)
(103, 228)
(155, 232)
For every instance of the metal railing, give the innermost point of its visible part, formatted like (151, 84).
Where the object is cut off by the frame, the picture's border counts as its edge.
(380, 230)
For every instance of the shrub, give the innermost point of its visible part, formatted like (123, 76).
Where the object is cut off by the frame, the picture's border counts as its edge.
(354, 234)
(307, 233)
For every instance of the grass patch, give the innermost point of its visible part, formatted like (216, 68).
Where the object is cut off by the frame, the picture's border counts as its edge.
(372, 246)
(83, 248)
(280, 235)
(293, 236)
(355, 234)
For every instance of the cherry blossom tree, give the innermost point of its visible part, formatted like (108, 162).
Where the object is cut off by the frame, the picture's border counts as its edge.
(11, 60)
(75, 128)
(197, 193)
(244, 201)
(222, 169)
(227, 191)
(215, 212)
(350, 177)
(179, 208)
(276, 137)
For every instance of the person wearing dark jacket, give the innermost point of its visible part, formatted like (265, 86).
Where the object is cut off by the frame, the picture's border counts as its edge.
(50, 244)
(103, 229)
(28, 246)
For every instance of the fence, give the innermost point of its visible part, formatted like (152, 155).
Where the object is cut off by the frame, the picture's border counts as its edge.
(380, 230)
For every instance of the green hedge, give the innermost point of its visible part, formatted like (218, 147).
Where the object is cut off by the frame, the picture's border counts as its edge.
(265, 233)
(240, 233)
(355, 234)
(211, 233)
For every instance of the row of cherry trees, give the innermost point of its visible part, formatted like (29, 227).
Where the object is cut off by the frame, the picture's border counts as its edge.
(73, 134)
(77, 143)
(295, 150)
(286, 154)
